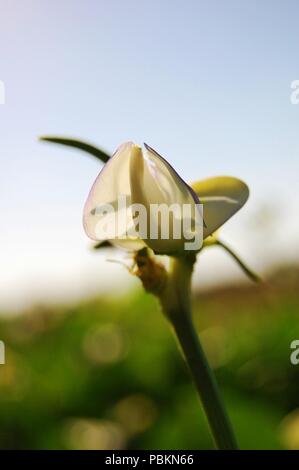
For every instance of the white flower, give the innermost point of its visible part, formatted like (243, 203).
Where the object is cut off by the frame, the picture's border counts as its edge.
(146, 179)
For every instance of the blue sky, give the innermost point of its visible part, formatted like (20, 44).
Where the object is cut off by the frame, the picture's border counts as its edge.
(206, 83)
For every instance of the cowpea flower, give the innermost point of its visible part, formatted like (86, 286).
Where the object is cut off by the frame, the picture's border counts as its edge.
(132, 177)
(146, 179)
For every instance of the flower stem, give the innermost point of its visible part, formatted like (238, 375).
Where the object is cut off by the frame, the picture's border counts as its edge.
(177, 307)
(252, 275)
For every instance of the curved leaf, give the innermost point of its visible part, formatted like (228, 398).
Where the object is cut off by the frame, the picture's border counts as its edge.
(78, 144)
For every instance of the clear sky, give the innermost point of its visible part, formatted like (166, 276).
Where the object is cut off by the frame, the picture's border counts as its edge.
(206, 83)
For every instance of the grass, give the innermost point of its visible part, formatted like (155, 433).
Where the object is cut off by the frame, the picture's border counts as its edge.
(107, 374)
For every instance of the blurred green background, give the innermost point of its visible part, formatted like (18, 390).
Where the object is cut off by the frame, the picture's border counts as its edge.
(107, 374)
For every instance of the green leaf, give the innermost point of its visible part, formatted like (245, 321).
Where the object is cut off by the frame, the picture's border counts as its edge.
(78, 144)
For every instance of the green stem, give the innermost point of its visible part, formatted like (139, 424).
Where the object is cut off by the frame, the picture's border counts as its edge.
(177, 306)
(253, 276)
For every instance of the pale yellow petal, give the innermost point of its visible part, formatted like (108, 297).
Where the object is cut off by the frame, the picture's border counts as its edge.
(222, 197)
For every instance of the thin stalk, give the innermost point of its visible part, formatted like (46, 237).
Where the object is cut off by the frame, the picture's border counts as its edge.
(177, 307)
(252, 275)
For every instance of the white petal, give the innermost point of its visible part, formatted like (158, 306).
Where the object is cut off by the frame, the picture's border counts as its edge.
(155, 182)
(221, 197)
(113, 181)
